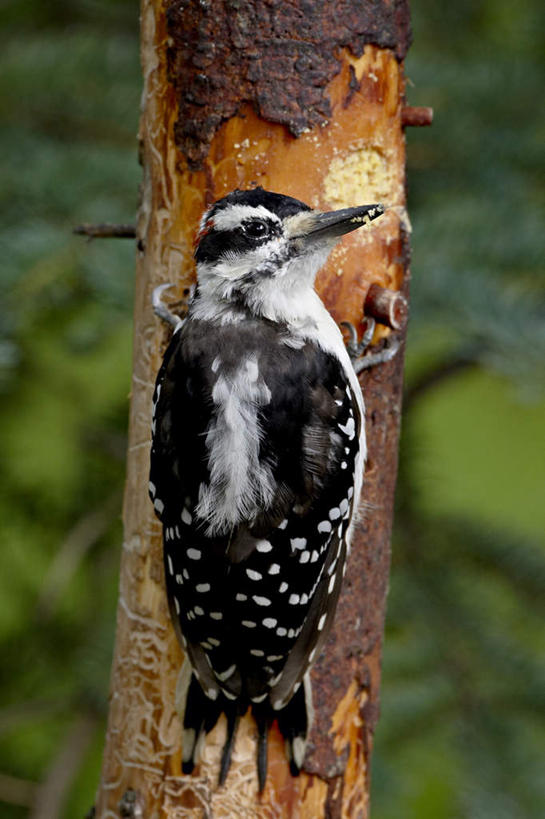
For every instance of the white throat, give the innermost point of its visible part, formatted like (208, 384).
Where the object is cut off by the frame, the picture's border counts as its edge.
(229, 291)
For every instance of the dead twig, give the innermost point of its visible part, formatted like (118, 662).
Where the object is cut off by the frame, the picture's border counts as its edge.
(15, 791)
(50, 795)
(77, 543)
(106, 230)
(434, 376)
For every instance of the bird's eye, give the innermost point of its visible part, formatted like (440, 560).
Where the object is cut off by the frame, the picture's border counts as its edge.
(256, 229)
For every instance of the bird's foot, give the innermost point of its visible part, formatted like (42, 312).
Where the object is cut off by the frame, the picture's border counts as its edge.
(161, 310)
(356, 350)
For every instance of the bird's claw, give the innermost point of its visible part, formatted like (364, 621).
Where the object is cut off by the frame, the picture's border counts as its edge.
(161, 310)
(356, 350)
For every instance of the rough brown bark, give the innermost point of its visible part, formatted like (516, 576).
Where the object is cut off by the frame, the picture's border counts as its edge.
(353, 154)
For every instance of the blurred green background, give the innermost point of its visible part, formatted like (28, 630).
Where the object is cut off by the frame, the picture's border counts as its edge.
(462, 732)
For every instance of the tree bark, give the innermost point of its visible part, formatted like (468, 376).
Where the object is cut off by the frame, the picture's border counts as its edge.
(304, 99)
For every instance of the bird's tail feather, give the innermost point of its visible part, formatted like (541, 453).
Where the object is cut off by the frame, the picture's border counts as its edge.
(233, 718)
(263, 719)
(199, 714)
(294, 722)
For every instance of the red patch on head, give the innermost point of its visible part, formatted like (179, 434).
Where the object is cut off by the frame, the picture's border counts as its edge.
(206, 228)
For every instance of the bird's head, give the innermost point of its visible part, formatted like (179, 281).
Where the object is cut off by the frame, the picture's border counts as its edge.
(261, 250)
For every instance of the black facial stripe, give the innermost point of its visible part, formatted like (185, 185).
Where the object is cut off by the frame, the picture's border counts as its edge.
(217, 243)
(214, 243)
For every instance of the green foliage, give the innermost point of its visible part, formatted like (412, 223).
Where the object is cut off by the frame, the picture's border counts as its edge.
(69, 99)
(460, 733)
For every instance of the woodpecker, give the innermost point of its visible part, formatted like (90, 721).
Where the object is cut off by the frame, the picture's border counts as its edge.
(257, 459)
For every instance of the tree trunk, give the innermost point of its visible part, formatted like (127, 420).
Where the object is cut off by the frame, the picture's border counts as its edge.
(304, 99)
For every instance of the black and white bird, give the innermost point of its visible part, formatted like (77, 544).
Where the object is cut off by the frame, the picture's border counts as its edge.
(256, 467)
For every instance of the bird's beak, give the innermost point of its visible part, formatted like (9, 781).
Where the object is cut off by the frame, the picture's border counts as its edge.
(313, 227)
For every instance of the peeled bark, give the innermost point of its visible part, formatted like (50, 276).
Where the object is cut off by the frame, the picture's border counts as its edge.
(322, 123)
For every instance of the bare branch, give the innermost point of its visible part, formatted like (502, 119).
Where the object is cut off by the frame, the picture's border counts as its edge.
(106, 230)
(77, 543)
(13, 716)
(434, 376)
(50, 796)
(15, 791)
(416, 116)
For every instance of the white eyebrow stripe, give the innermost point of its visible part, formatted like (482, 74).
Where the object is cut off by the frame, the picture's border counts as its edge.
(232, 216)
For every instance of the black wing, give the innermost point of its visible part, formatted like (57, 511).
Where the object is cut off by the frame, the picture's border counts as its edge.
(254, 603)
